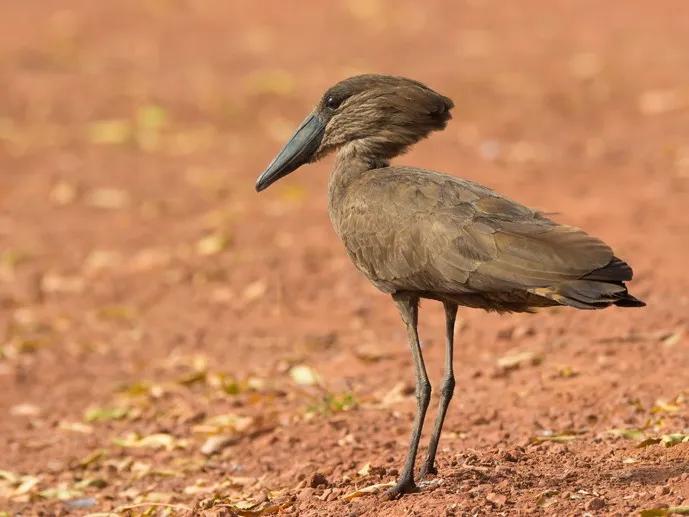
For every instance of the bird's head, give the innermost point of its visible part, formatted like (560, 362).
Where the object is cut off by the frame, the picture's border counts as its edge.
(374, 116)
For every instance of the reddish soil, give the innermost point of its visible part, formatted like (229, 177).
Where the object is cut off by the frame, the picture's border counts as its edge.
(154, 308)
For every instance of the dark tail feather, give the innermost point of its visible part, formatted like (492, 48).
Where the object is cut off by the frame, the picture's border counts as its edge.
(616, 271)
(630, 301)
(601, 288)
(591, 294)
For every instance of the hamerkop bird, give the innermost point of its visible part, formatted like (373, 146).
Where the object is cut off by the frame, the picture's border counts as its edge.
(420, 234)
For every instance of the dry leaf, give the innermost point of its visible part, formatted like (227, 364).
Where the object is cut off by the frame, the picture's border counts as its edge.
(512, 361)
(372, 489)
(630, 434)
(113, 131)
(304, 375)
(56, 283)
(365, 470)
(153, 441)
(255, 290)
(25, 410)
(554, 437)
(108, 198)
(212, 244)
(76, 427)
(656, 102)
(63, 193)
(105, 414)
(215, 444)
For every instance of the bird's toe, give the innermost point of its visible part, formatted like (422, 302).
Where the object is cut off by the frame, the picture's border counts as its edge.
(402, 487)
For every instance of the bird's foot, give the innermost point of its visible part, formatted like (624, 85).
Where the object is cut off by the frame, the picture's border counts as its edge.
(403, 486)
(427, 469)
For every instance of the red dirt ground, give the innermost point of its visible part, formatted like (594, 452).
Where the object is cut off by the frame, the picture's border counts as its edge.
(172, 343)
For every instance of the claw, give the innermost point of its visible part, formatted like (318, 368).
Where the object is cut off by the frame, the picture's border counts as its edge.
(402, 487)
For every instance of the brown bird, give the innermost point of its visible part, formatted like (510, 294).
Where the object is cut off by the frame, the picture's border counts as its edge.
(420, 234)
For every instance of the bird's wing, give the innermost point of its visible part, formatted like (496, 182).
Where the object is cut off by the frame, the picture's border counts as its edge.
(419, 230)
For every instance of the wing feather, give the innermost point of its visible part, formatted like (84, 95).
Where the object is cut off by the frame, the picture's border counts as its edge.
(415, 229)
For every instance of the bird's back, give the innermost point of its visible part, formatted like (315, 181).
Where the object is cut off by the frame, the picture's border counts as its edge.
(410, 229)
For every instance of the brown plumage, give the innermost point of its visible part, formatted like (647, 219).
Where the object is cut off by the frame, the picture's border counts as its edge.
(420, 234)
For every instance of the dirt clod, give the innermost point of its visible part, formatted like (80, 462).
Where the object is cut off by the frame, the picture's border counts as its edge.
(595, 504)
(318, 480)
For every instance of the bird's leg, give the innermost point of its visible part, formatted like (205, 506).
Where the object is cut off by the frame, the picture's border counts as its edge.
(408, 306)
(446, 390)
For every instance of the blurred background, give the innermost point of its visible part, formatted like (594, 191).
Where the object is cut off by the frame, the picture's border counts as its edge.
(166, 334)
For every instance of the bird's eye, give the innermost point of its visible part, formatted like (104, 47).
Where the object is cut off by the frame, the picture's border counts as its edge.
(332, 102)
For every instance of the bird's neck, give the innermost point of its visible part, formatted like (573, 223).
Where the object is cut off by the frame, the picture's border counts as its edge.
(351, 160)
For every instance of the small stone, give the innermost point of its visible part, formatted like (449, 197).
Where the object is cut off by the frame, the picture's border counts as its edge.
(513, 456)
(318, 480)
(595, 504)
(661, 490)
(83, 502)
(496, 499)
(305, 494)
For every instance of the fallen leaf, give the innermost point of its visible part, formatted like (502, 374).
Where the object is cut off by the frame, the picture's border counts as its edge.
(372, 489)
(371, 353)
(513, 361)
(25, 410)
(92, 458)
(555, 437)
(57, 283)
(61, 492)
(657, 102)
(153, 441)
(255, 290)
(215, 444)
(365, 470)
(98, 260)
(670, 440)
(63, 193)
(673, 338)
(212, 244)
(76, 427)
(151, 117)
(304, 375)
(630, 434)
(225, 423)
(567, 372)
(664, 407)
(333, 403)
(105, 414)
(108, 198)
(113, 131)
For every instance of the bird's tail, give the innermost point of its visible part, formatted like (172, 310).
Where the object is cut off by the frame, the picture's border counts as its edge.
(597, 290)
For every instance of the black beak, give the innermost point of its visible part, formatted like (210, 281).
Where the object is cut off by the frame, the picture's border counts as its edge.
(298, 151)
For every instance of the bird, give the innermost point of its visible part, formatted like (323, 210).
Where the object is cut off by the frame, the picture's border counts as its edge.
(418, 234)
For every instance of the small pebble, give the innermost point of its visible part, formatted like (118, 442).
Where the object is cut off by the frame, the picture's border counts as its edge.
(595, 504)
(318, 480)
(305, 494)
(661, 490)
